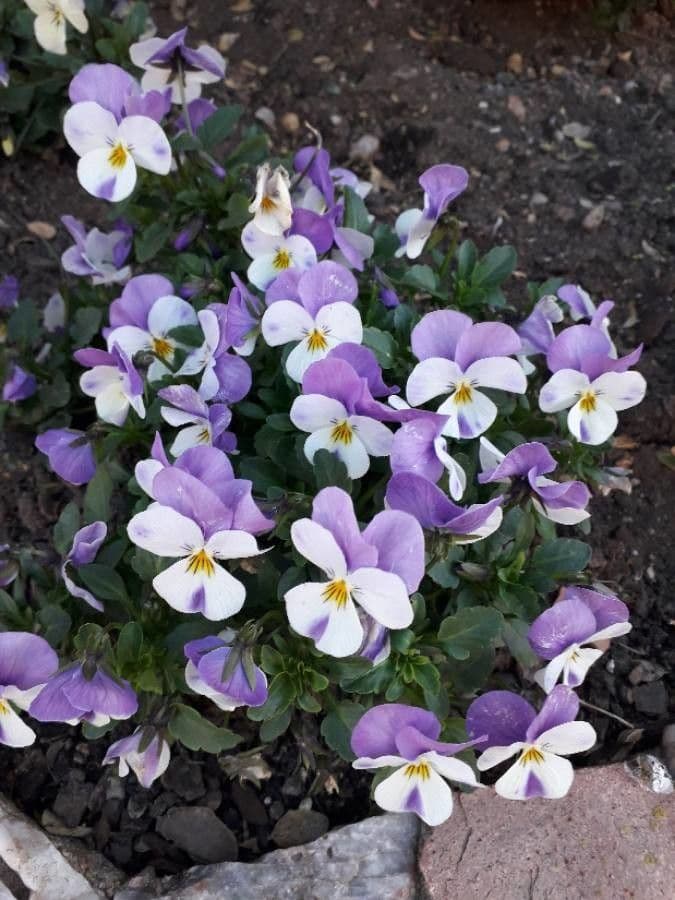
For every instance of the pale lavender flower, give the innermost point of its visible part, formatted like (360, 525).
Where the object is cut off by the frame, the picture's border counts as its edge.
(271, 207)
(419, 447)
(113, 381)
(95, 254)
(69, 452)
(404, 737)
(54, 313)
(536, 331)
(225, 377)
(145, 752)
(50, 20)
(168, 62)
(86, 544)
(206, 424)
(561, 634)
(20, 385)
(458, 357)
(222, 669)
(4, 74)
(274, 254)
(378, 570)
(84, 692)
(26, 663)
(242, 322)
(441, 185)
(541, 740)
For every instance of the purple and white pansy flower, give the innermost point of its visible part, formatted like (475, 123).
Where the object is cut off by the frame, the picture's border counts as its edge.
(225, 377)
(242, 322)
(26, 664)
(338, 411)
(86, 544)
(50, 21)
(169, 63)
(273, 254)
(84, 692)
(563, 502)
(96, 254)
(69, 453)
(377, 570)
(536, 331)
(441, 185)
(145, 752)
(541, 740)
(271, 207)
(405, 738)
(222, 670)
(419, 447)
(205, 423)
(562, 634)
(316, 310)
(19, 385)
(589, 382)
(457, 357)
(435, 511)
(113, 381)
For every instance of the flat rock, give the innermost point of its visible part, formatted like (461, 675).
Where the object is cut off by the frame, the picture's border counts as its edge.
(372, 860)
(610, 837)
(200, 833)
(299, 826)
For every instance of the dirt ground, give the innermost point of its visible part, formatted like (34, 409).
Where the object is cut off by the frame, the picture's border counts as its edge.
(567, 131)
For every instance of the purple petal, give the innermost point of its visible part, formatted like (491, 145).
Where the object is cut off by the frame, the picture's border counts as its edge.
(438, 333)
(69, 453)
(207, 465)
(399, 540)
(375, 733)
(86, 543)
(234, 378)
(607, 610)
(565, 623)
(138, 298)
(105, 84)
(19, 386)
(561, 706)
(26, 660)
(441, 184)
(580, 347)
(411, 743)
(333, 508)
(536, 332)
(413, 448)
(501, 715)
(51, 704)
(566, 495)
(326, 282)
(416, 495)
(333, 377)
(185, 398)
(284, 287)
(9, 292)
(365, 364)
(578, 301)
(243, 313)
(519, 462)
(188, 496)
(199, 111)
(486, 340)
(92, 356)
(316, 228)
(101, 694)
(152, 104)
(166, 51)
(246, 516)
(198, 59)
(75, 228)
(316, 165)
(236, 688)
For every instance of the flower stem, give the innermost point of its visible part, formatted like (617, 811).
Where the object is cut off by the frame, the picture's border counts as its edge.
(606, 712)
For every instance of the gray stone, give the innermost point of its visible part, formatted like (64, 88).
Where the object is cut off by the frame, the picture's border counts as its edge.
(184, 777)
(372, 860)
(651, 698)
(668, 745)
(199, 832)
(299, 826)
(249, 804)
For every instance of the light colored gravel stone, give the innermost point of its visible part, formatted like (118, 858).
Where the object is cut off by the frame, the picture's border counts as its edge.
(372, 860)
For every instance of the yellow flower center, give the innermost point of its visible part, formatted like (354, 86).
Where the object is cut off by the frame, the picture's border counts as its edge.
(162, 348)
(282, 259)
(200, 563)
(267, 204)
(531, 755)
(316, 341)
(336, 592)
(342, 433)
(418, 770)
(587, 402)
(463, 393)
(204, 437)
(4, 708)
(57, 15)
(118, 156)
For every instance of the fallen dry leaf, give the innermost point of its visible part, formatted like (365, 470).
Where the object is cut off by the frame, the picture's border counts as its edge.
(227, 40)
(42, 230)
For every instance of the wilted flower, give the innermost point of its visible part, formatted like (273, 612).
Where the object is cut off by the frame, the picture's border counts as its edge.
(271, 205)
(206, 424)
(272, 254)
(113, 381)
(561, 634)
(169, 63)
(84, 692)
(541, 740)
(19, 386)
(222, 669)
(145, 752)
(377, 569)
(86, 544)
(69, 452)
(406, 738)
(26, 663)
(50, 22)
(242, 321)
(96, 254)
(441, 185)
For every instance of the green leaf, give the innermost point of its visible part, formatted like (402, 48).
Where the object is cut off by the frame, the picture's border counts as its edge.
(86, 323)
(330, 470)
(23, 326)
(64, 530)
(150, 240)
(103, 581)
(97, 497)
(129, 644)
(356, 214)
(218, 126)
(281, 694)
(467, 255)
(495, 267)
(421, 278)
(191, 335)
(382, 344)
(427, 675)
(196, 733)
(444, 573)
(271, 661)
(470, 630)
(273, 728)
(514, 632)
(252, 151)
(337, 727)
(55, 622)
(553, 561)
(237, 212)
(467, 675)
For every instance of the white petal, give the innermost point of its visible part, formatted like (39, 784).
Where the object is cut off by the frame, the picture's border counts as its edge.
(285, 321)
(456, 474)
(566, 516)
(611, 631)
(498, 372)
(87, 126)
(335, 630)
(562, 390)
(378, 762)
(493, 756)
(147, 143)
(374, 435)
(620, 390)
(112, 404)
(165, 532)
(383, 595)
(196, 684)
(468, 420)
(141, 51)
(452, 768)
(571, 737)
(430, 378)
(98, 379)
(341, 322)
(579, 664)
(216, 596)
(429, 797)
(303, 355)
(51, 36)
(101, 179)
(168, 313)
(313, 411)
(318, 545)
(130, 339)
(74, 12)
(13, 730)
(592, 427)
(552, 672)
(145, 472)
(554, 773)
(354, 455)
(193, 436)
(493, 522)
(178, 417)
(489, 455)
(232, 545)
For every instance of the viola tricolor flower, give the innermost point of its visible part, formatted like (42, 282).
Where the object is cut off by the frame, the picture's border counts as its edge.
(19, 386)
(114, 383)
(435, 512)
(84, 692)
(589, 382)
(338, 411)
(378, 570)
(541, 740)
(419, 447)
(315, 309)
(441, 185)
(273, 254)
(69, 452)
(536, 331)
(145, 752)
(206, 424)
(242, 322)
(458, 357)
(271, 205)
(26, 663)
(86, 544)
(225, 377)
(50, 22)
(564, 502)
(169, 63)
(96, 254)
(561, 634)
(222, 670)
(406, 738)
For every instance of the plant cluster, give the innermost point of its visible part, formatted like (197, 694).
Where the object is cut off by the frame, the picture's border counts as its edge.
(320, 476)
